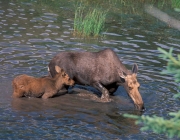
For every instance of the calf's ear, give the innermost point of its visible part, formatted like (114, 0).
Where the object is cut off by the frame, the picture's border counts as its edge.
(58, 69)
(135, 68)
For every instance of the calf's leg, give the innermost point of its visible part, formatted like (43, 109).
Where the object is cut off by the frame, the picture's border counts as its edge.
(47, 95)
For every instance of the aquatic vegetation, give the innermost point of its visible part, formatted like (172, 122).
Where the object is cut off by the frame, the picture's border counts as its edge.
(89, 23)
(123, 12)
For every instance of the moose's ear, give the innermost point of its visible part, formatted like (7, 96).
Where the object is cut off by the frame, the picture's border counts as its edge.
(58, 69)
(122, 74)
(21, 86)
(135, 68)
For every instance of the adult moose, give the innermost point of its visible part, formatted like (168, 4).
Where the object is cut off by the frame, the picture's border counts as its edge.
(102, 70)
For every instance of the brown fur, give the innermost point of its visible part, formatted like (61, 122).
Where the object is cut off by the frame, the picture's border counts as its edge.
(44, 87)
(103, 70)
(131, 85)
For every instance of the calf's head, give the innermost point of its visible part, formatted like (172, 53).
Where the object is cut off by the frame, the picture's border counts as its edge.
(19, 85)
(131, 85)
(63, 76)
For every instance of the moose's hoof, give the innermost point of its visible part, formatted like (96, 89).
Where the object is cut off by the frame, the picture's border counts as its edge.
(105, 98)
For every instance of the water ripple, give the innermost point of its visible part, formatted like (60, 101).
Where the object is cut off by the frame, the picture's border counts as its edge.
(28, 42)
(53, 26)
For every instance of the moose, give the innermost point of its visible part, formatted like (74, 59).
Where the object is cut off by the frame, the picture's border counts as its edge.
(102, 70)
(44, 87)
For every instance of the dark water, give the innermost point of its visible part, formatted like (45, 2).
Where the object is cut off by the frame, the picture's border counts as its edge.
(29, 40)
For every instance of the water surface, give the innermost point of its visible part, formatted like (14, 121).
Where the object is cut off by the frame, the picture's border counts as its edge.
(29, 40)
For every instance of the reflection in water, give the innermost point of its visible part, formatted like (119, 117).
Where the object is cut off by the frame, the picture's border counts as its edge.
(75, 114)
(29, 40)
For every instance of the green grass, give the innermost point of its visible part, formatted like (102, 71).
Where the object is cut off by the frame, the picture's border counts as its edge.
(89, 23)
(175, 3)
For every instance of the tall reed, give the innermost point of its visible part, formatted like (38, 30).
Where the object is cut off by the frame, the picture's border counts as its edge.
(89, 22)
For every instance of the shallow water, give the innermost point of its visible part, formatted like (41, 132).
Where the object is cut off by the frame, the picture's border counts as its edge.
(29, 40)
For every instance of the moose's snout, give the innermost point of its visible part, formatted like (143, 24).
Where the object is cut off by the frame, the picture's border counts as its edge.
(140, 107)
(71, 82)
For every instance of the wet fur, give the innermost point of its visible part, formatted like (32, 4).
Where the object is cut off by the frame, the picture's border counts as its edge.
(44, 87)
(86, 68)
(103, 70)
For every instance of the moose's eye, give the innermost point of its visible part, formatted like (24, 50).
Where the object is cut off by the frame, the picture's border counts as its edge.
(21, 86)
(64, 74)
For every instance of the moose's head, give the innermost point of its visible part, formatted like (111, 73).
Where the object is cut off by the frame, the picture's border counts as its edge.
(131, 85)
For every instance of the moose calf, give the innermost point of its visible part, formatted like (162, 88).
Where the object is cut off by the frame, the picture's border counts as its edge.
(44, 87)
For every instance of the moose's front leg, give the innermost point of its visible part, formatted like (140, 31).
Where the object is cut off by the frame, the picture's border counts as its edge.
(103, 90)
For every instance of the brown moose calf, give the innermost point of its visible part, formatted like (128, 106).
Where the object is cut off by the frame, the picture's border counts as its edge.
(44, 87)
